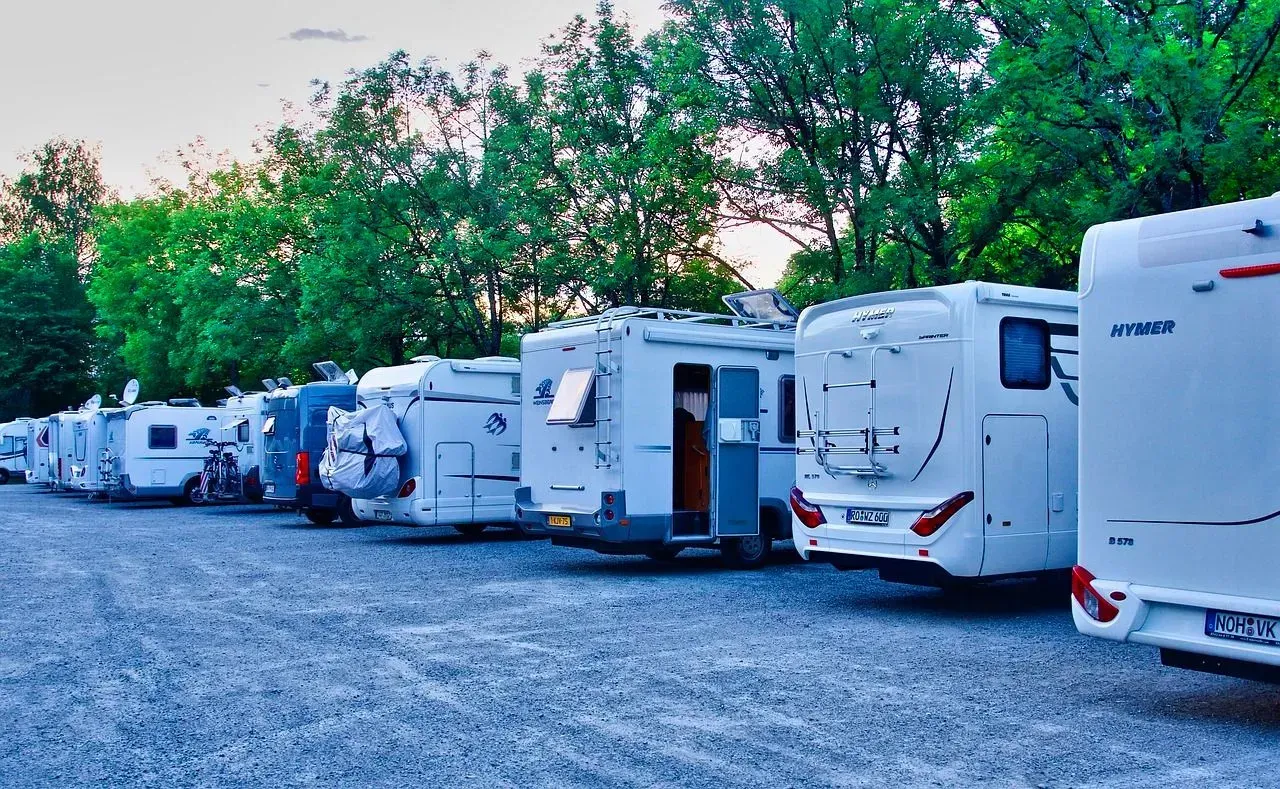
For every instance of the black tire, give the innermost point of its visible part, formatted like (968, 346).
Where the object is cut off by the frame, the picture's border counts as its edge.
(745, 553)
(347, 513)
(188, 497)
(4, 476)
(471, 529)
(666, 553)
(322, 517)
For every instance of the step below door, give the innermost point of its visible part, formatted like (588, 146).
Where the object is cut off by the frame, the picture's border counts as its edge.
(1015, 493)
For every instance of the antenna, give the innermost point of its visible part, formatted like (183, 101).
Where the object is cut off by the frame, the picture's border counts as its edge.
(285, 381)
(352, 378)
(271, 384)
(328, 371)
(234, 391)
(130, 395)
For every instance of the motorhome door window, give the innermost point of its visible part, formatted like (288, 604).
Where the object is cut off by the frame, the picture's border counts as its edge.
(787, 409)
(574, 403)
(1024, 353)
(242, 433)
(162, 437)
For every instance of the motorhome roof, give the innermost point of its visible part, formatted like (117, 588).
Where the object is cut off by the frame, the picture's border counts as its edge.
(412, 374)
(980, 292)
(615, 315)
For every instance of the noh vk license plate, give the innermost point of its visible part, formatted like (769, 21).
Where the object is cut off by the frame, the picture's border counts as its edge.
(867, 517)
(382, 515)
(1242, 627)
(559, 520)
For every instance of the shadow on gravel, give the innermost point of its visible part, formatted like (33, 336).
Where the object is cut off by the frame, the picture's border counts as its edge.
(446, 535)
(306, 525)
(237, 510)
(144, 505)
(1000, 599)
(1231, 701)
(694, 561)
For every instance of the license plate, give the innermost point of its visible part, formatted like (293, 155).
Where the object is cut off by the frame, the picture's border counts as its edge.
(382, 515)
(1242, 627)
(867, 517)
(559, 520)
(269, 487)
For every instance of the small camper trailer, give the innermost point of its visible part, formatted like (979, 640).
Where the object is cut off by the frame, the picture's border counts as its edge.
(646, 431)
(1180, 438)
(13, 449)
(38, 451)
(157, 450)
(294, 435)
(937, 433)
(461, 422)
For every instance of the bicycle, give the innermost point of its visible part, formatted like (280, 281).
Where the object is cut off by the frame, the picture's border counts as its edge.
(220, 479)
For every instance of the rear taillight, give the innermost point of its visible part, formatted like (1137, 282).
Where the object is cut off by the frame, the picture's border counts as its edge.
(1093, 603)
(407, 489)
(929, 523)
(809, 514)
(302, 475)
(1241, 272)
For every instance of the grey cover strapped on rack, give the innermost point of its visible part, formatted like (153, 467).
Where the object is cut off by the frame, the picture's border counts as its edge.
(362, 456)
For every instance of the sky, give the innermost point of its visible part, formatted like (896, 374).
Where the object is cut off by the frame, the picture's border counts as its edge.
(144, 78)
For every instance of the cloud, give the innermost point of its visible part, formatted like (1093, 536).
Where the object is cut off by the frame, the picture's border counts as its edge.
(316, 34)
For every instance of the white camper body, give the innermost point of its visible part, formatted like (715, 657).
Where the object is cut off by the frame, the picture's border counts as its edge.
(57, 430)
(937, 432)
(242, 422)
(89, 438)
(461, 422)
(69, 448)
(1180, 437)
(38, 451)
(157, 451)
(646, 431)
(13, 449)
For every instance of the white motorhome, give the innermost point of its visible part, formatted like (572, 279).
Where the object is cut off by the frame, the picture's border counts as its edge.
(59, 437)
(461, 421)
(13, 449)
(38, 451)
(1180, 437)
(646, 431)
(72, 446)
(156, 450)
(937, 433)
(245, 413)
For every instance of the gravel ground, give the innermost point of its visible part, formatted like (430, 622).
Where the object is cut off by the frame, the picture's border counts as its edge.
(143, 644)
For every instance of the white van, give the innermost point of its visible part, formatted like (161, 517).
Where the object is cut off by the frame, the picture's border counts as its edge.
(13, 449)
(649, 430)
(937, 433)
(461, 421)
(38, 451)
(1180, 437)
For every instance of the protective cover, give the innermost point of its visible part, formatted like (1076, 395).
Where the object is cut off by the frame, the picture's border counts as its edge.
(361, 457)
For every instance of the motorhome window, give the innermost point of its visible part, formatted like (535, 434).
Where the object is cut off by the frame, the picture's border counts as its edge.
(787, 409)
(162, 437)
(574, 403)
(269, 426)
(1024, 353)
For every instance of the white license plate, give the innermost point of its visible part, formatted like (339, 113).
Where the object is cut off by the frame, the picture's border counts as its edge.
(382, 515)
(269, 487)
(867, 517)
(1242, 627)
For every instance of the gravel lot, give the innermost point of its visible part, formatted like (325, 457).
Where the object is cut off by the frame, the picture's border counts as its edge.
(143, 644)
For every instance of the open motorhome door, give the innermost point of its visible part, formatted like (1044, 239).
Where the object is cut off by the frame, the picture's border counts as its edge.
(735, 460)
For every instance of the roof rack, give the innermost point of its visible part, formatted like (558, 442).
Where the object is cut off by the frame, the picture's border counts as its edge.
(683, 316)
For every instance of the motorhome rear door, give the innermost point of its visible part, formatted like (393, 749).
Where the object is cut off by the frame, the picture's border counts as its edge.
(735, 464)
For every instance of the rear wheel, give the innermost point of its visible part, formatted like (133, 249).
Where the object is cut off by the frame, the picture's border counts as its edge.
(666, 553)
(348, 513)
(190, 493)
(321, 517)
(471, 529)
(4, 476)
(745, 553)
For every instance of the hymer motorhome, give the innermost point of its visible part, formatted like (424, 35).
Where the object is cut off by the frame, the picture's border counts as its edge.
(937, 433)
(650, 430)
(1180, 438)
(460, 419)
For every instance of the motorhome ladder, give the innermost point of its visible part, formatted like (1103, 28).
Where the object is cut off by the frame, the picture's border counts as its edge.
(605, 368)
(867, 439)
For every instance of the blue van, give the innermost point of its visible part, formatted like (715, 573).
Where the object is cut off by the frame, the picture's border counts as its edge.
(295, 431)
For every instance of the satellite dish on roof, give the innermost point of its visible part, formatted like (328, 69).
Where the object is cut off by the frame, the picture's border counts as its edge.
(285, 381)
(93, 403)
(352, 378)
(130, 394)
(234, 391)
(271, 384)
(329, 371)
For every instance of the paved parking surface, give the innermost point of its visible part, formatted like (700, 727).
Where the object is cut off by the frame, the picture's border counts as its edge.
(143, 644)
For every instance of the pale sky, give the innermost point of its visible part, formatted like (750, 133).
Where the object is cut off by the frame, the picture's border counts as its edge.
(145, 77)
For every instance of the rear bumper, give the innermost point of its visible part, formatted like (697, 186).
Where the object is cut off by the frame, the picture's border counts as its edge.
(1174, 620)
(309, 497)
(625, 533)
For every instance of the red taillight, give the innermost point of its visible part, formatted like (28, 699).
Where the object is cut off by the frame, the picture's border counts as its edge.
(609, 515)
(1093, 603)
(809, 514)
(609, 499)
(929, 523)
(407, 489)
(1240, 272)
(302, 475)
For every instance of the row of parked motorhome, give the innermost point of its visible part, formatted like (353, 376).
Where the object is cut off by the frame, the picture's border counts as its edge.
(942, 435)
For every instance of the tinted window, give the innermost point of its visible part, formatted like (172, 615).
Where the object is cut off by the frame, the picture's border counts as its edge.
(787, 409)
(242, 433)
(1024, 353)
(162, 437)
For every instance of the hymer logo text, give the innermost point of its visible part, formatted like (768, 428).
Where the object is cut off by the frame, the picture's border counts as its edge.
(1141, 329)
